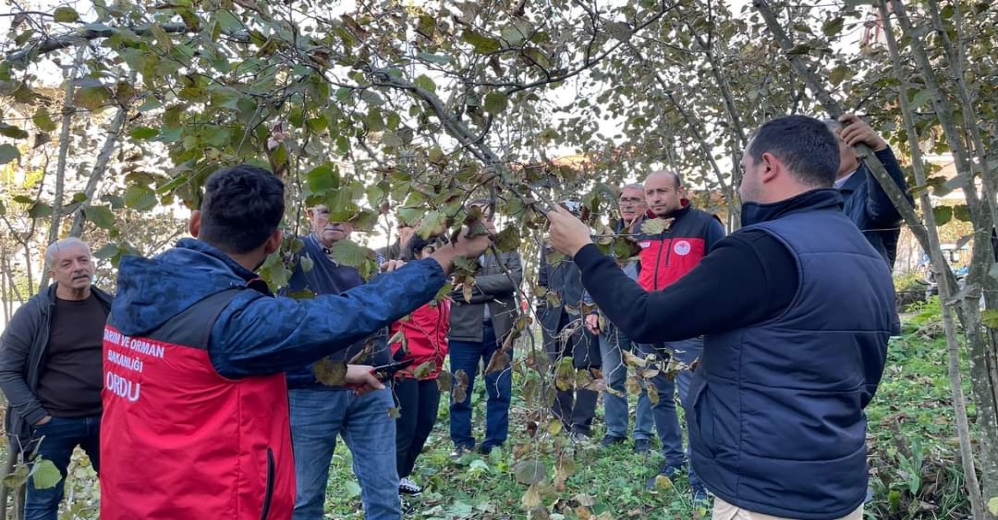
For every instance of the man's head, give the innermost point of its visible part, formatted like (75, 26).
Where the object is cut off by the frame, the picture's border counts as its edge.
(632, 202)
(327, 232)
(786, 157)
(69, 263)
(664, 192)
(848, 160)
(242, 207)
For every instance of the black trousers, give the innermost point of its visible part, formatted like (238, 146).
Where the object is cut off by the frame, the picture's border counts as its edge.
(576, 409)
(418, 402)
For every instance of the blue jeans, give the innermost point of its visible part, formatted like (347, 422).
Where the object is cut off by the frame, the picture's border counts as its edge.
(317, 416)
(61, 436)
(613, 343)
(465, 355)
(666, 418)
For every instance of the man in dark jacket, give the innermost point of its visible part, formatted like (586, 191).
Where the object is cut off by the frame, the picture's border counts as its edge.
(196, 351)
(320, 413)
(477, 331)
(792, 355)
(50, 370)
(559, 311)
(866, 202)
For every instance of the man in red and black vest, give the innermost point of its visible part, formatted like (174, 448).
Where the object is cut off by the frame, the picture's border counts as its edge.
(687, 234)
(195, 399)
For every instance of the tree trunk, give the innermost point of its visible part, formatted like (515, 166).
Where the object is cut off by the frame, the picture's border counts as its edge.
(68, 107)
(946, 289)
(100, 167)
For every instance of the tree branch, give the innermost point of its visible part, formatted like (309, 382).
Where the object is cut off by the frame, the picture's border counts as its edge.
(834, 109)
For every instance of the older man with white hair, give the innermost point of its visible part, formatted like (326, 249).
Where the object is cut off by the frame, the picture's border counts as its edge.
(51, 370)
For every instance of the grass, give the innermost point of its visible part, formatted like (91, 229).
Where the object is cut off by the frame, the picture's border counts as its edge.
(912, 443)
(913, 453)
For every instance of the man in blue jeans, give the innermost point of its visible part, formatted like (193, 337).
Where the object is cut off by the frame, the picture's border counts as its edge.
(613, 343)
(477, 330)
(51, 370)
(319, 413)
(684, 235)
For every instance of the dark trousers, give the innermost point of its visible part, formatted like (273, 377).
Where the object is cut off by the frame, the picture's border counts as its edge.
(575, 408)
(466, 355)
(418, 402)
(61, 436)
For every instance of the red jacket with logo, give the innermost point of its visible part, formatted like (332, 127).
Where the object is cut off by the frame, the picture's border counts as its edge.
(668, 256)
(170, 419)
(425, 334)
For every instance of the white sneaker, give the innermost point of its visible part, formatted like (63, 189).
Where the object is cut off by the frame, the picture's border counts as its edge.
(408, 487)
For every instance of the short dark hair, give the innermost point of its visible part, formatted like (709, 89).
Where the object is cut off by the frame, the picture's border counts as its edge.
(417, 244)
(242, 207)
(806, 145)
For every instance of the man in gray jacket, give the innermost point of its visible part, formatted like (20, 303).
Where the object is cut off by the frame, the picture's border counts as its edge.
(477, 330)
(51, 366)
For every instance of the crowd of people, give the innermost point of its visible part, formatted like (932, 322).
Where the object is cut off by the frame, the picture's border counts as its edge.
(194, 389)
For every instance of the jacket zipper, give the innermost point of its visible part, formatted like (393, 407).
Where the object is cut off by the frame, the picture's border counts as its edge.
(269, 495)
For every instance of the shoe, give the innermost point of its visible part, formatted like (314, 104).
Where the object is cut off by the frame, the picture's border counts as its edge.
(642, 446)
(611, 440)
(701, 500)
(459, 452)
(408, 487)
(667, 471)
(579, 438)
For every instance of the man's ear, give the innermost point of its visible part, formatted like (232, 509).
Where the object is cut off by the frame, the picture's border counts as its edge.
(771, 167)
(194, 224)
(273, 242)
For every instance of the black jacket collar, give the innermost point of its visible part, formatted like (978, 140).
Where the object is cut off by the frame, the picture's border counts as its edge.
(819, 199)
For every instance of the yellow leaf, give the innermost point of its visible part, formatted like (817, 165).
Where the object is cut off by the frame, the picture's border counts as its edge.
(652, 394)
(329, 372)
(663, 483)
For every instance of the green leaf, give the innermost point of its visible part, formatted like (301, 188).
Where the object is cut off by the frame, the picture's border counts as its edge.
(322, 179)
(92, 98)
(140, 198)
(993, 506)
(143, 133)
(44, 474)
(12, 131)
(482, 44)
(9, 152)
(43, 120)
(942, 214)
(39, 210)
(921, 99)
(17, 478)
(161, 37)
(962, 213)
(619, 30)
(496, 102)
(530, 471)
(508, 239)
(799, 49)
(434, 58)
(3, 209)
(329, 372)
(654, 226)
(343, 145)
(227, 21)
(990, 318)
(833, 27)
(424, 82)
(65, 15)
(838, 74)
(433, 223)
(353, 489)
(101, 216)
(349, 253)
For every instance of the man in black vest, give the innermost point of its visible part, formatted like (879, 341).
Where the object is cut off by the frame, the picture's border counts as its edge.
(792, 355)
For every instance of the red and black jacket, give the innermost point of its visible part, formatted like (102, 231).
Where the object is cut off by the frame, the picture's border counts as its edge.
(425, 333)
(668, 256)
